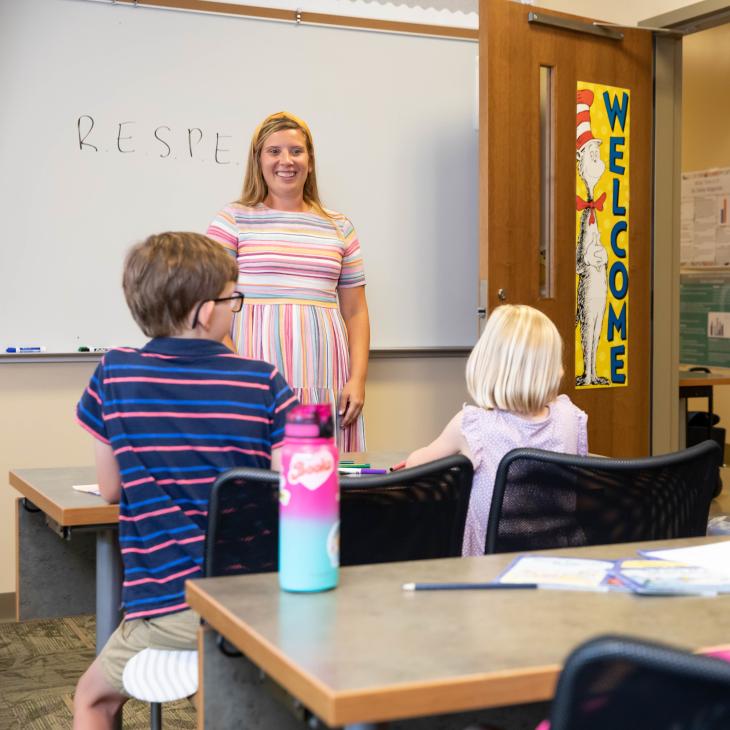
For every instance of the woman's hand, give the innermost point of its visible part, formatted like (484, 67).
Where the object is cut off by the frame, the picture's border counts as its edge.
(351, 402)
(354, 309)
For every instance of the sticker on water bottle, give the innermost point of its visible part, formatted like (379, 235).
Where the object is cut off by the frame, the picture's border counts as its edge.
(311, 470)
(333, 545)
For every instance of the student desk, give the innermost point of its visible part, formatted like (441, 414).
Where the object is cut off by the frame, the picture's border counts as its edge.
(369, 652)
(78, 569)
(694, 384)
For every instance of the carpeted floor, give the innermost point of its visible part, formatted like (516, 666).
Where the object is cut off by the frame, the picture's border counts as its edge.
(40, 663)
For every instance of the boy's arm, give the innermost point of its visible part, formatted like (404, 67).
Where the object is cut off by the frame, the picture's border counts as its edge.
(107, 472)
(451, 441)
(276, 459)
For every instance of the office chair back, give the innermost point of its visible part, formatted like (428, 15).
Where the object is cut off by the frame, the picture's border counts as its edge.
(547, 500)
(243, 523)
(409, 514)
(615, 682)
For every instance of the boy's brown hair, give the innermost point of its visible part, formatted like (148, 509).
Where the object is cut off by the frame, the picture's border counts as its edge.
(168, 274)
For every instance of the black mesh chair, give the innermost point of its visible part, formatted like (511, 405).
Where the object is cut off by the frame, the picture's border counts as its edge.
(619, 683)
(410, 514)
(546, 500)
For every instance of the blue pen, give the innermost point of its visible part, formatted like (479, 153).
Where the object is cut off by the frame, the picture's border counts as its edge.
(22, 350)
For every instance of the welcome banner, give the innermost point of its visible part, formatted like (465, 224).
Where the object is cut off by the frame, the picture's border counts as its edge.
(602, 233)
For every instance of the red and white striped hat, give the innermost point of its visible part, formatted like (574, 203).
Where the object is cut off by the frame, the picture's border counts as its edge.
(583, 134)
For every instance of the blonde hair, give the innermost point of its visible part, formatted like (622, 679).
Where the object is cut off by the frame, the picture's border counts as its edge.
(168, 274)
(255, 188)
(517, 363)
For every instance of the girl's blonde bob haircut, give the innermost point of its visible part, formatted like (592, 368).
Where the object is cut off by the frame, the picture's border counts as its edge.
(255, 189)
(517, 363)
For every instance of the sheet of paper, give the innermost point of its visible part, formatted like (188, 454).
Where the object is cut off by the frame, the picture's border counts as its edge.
(88, 489)
(714, 556)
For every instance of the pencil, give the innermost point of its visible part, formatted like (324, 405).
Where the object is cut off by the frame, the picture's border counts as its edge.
(466, 586)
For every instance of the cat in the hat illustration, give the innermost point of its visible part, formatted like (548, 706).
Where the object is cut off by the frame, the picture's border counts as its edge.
(591, 256)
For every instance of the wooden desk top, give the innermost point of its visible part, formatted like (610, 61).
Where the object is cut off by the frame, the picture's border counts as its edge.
(52, 490)
(688, 378)
(369, 652)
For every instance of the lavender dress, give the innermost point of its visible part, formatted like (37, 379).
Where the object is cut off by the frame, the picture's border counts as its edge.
(492, 433)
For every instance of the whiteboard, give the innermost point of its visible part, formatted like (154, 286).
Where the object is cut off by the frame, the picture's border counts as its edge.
(120, 121)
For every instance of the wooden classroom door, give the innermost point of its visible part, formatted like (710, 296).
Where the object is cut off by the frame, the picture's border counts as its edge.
(565, 201)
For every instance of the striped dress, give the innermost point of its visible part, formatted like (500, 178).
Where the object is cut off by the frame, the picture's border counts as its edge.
(290, 268)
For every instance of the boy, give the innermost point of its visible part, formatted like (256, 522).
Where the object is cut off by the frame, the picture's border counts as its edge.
(167, 420)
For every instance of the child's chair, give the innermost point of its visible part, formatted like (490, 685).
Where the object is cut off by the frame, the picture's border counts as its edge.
(160, 675)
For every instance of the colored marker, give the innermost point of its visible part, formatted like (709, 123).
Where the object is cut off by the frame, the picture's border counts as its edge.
(23, 350)
(399, 465)
(350, 471)
(353, 465)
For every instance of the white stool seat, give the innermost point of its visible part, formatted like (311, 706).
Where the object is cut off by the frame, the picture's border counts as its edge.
(161, 675)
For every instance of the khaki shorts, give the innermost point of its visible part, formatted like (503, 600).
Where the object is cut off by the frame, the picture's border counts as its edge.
(174, 631)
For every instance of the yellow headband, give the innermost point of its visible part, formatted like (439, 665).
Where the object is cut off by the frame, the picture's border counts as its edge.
(282, 115)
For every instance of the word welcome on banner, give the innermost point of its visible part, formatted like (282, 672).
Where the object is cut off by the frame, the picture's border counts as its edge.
(602, 235)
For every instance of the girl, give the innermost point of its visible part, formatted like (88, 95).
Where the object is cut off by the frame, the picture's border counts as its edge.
(513, 375)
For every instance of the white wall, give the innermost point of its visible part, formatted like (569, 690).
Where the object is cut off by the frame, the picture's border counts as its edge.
(626, 12)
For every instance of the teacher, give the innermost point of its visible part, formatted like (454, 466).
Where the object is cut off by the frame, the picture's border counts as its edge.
(301, 272)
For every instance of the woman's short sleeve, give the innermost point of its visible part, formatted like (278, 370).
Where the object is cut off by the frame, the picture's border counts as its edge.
(224, 230)
(353, 270)
(472, 430)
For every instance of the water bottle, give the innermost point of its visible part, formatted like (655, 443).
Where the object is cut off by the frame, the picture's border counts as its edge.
(309, 501)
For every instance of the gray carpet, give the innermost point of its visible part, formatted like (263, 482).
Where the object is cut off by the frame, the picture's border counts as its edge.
(40, 663)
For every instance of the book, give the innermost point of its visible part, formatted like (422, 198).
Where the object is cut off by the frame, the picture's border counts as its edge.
(667, 577)
(579, 574)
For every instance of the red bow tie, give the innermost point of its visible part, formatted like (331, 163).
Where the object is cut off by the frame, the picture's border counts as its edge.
(594, 205)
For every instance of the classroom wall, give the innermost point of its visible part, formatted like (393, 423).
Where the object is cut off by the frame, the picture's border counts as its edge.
(627, 12)
(409, 400)
(706, 132)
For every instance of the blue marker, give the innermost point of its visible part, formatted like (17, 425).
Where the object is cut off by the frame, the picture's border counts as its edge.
(23, 350)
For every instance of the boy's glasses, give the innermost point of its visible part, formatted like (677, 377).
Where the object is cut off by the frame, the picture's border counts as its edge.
(236, 300)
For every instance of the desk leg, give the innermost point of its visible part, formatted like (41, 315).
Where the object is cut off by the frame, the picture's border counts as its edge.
(231, 694)
(108, 585)
(682, 422)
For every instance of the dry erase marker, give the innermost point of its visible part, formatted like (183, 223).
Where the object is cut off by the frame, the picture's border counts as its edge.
(100, 349)
(22, 350)
(466, 586)
(83, 348)
(350, 471)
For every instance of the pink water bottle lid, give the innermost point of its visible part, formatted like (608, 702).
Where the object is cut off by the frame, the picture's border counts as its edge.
(310, 421)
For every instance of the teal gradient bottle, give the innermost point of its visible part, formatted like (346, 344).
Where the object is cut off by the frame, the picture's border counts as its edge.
(309, 501)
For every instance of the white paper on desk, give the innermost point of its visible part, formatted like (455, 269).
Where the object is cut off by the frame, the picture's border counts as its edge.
(88, 489)
(715, 556)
